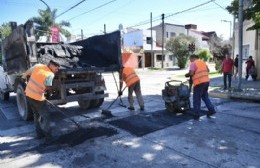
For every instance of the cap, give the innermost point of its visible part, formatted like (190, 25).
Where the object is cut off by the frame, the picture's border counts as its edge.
(54, 63)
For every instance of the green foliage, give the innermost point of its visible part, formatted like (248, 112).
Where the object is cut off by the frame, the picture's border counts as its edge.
(218, 66)
(204, 54)
(46, 20)
(179, 47)
(5, 30)
(252, 11)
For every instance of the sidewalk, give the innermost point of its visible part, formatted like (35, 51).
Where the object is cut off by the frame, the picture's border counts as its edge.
(250, 89)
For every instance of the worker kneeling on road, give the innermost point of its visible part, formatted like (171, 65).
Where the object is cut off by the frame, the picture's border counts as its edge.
(199, 72)
(128, 75)
(41, 77)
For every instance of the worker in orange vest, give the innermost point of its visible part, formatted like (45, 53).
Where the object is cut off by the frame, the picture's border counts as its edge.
(132, 81)
(199, 72)
(41, 77)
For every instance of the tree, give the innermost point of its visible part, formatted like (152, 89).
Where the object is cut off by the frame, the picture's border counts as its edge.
(204, 54)
(5, 30)
(219, 49)
(252, 12)
(179, 47)
(46, 21)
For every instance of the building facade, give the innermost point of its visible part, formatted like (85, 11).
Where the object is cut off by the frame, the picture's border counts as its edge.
(250, 45)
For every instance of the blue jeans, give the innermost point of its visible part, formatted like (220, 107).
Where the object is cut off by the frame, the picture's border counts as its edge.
(201, 92)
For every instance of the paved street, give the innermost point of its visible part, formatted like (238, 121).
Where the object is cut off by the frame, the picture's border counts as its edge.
(153, 138)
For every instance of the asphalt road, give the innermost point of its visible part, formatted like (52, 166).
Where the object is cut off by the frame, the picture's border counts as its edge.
(153, 138)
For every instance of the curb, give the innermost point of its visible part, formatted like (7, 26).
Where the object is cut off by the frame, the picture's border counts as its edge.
(244, 95)
(219, 95)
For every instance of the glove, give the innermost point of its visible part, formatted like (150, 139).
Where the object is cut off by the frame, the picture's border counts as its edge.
(187, 75)
(24, 80)
(120, 93)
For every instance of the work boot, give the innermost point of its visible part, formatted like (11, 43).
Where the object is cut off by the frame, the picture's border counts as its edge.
(131, 108)
(196, 116)
(210, 113)
(39, 136)
(142, 108)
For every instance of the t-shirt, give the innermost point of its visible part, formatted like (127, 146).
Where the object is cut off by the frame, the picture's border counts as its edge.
(236, 62)
(227, 65)
(193, 66)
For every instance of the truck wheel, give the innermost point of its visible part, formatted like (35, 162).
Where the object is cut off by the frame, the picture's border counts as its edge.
(22, 104)
(4, 95)
(84, 104)
(97, 102)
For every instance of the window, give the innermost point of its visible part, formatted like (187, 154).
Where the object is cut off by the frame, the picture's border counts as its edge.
(148, 40)
(181, 34)
(170, 57)
(245, 51)
(167, 34)
(159, 57)
(173, 34)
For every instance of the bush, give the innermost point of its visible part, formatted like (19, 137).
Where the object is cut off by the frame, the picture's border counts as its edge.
(204, 54)
(179, 47)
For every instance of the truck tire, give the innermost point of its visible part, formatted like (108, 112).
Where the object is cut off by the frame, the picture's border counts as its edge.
(84, 104)
(23, 106)
(4, 95)
(97, 102)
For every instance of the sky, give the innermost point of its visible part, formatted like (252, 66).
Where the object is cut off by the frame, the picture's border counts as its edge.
(91, 15)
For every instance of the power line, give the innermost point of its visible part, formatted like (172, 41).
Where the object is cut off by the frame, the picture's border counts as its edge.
(70, 8)
(190, 8)
(158, 17)
(220, 6)
(92, 9)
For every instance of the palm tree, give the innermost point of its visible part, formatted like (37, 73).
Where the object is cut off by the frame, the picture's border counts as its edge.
(46, 21)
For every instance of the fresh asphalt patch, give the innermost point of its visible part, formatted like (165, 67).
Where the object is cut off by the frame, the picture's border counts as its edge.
(145, 123)
(73, 138)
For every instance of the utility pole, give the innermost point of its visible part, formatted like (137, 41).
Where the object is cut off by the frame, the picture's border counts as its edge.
(162, 38)
(152, 53)
(104, 28)
(240, 42)
(81, 34)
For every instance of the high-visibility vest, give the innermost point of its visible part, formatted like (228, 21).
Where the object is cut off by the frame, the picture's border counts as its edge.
(201, 74)
(35, 88)
(129, 76)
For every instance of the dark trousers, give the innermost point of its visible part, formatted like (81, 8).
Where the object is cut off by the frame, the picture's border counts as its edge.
(227, 76)
(201, 92)
(41, 117)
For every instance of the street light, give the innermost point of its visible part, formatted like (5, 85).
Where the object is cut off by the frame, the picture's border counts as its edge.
(230, 36)
(230, 24)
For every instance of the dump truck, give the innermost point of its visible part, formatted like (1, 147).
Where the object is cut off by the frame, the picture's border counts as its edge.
(79, 77)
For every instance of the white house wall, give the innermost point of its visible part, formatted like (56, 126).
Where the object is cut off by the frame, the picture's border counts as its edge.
(133, 38)
(249, 39)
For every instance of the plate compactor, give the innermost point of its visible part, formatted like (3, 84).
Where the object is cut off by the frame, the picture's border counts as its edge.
(176, 96)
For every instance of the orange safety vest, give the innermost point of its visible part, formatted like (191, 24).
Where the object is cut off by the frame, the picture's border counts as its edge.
(129, 76)
(35, 88)
(201, 74)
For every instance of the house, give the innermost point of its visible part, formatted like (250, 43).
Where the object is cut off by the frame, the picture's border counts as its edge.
(141, 45)
(148, 49)
(174, 30)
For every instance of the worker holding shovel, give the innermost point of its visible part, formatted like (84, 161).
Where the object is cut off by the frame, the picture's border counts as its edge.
(41, 77)
(132, 81)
